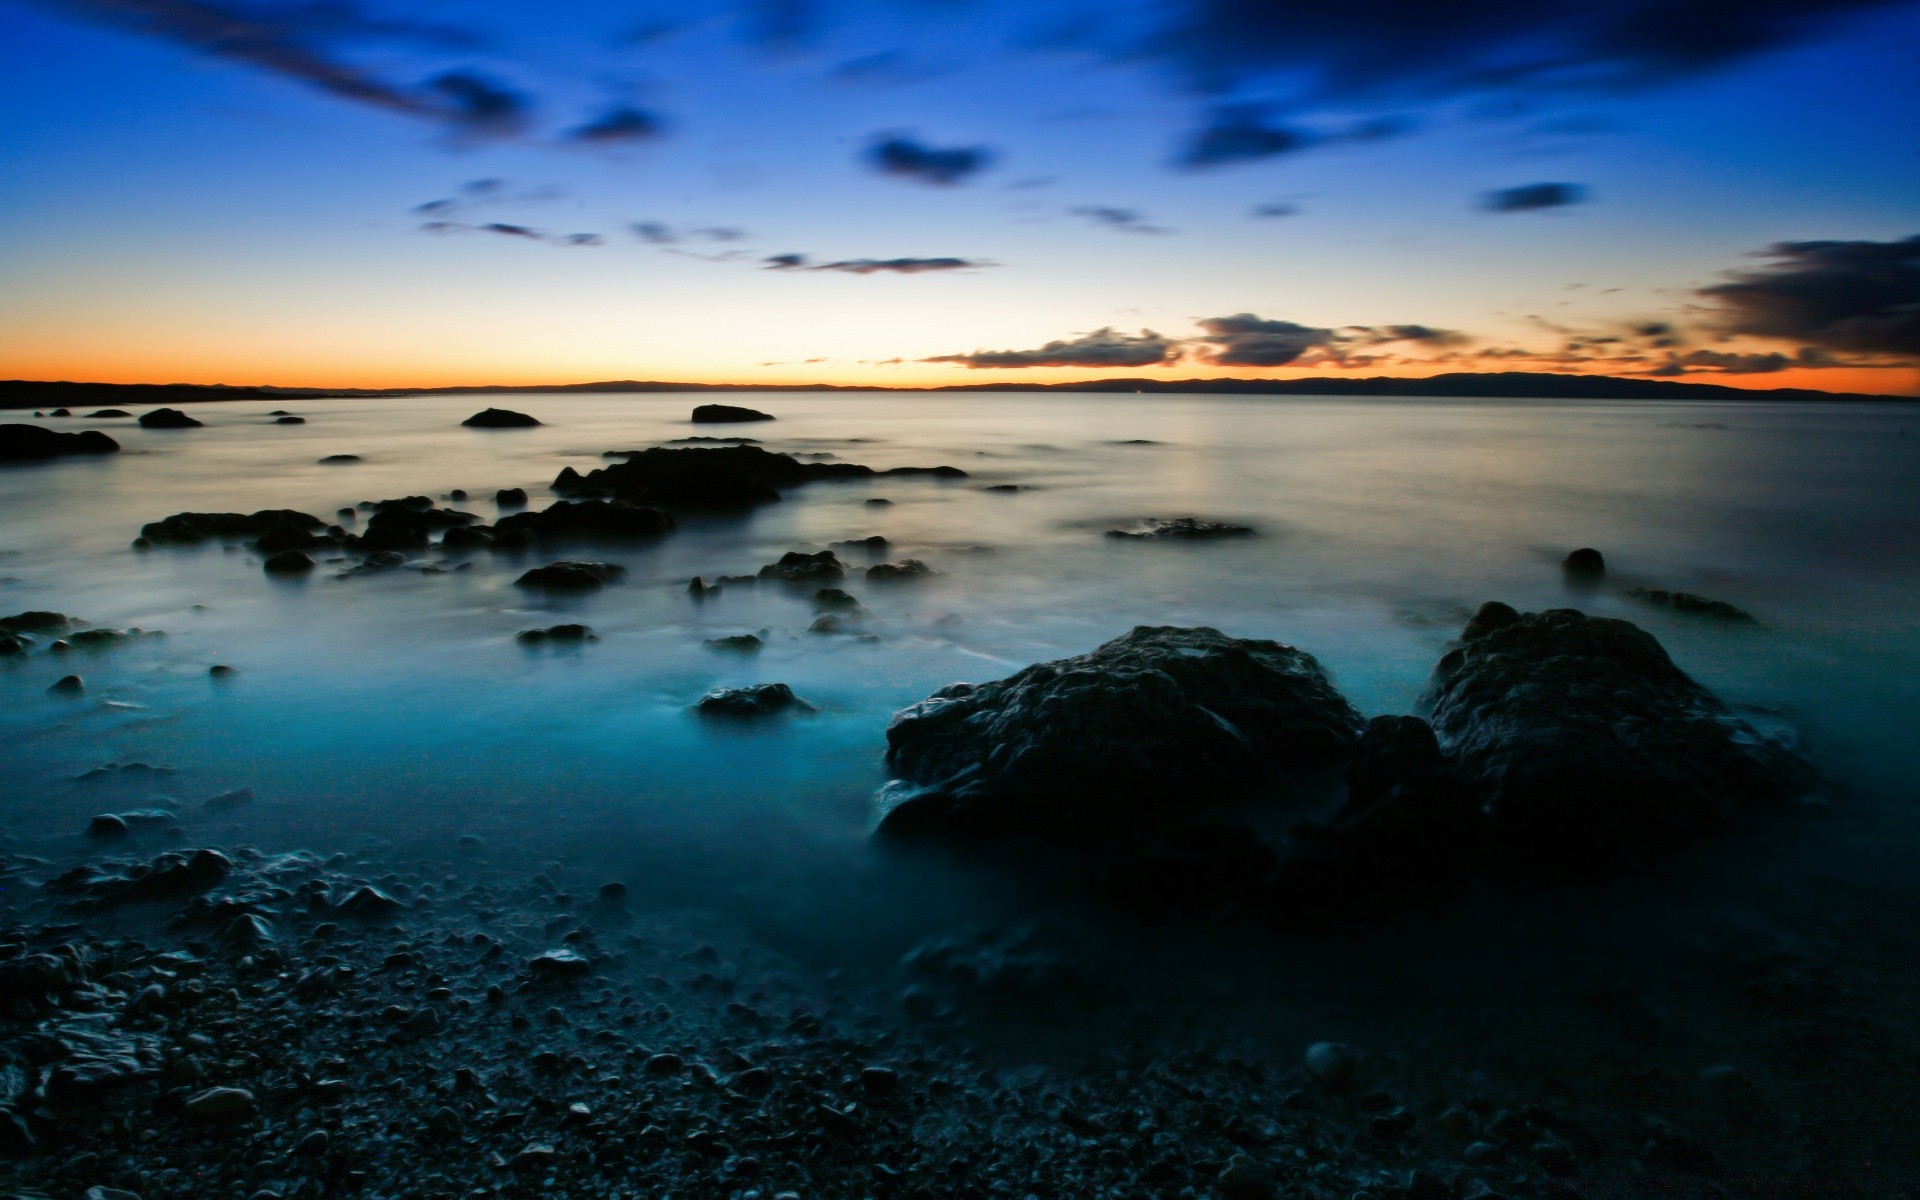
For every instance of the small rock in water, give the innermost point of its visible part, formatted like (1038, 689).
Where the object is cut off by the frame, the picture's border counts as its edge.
(759, 700)
(745, 643)
(720, 414)
(560, 964)
(368, 901)
(107, 825)
(290, 421)
(556, 633)
(499, 418)
(511, 498)
(221, 671)
(289, 562)
(1179, 528)
(168, 418)
(571, 576)
(1585, 565)
(68, 685)
(900, 572)
(1331, 1063)
(334, 460)
(1694, 606)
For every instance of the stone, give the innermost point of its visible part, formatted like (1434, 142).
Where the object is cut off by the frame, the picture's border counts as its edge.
(220, 1104)
(337, 460)
(168, 418)
(511, 497)
(1585, 565)
(722, 414)
(759, 700)
(33, 443)
(289, 562)
(107, 826)
(1694, 606)
(743, 643)
(1179, 529)
(499, 418)
(191, 528)
(555, 633)
(834, 600)
(68, 685)
(290, 421)
(1246, 1178)
(589, 519)
(907, 569)
(725, 478)
(570, 576)
(559, 964)
(105, 413)
(222, 671)
(1158, 726)
(368, 901)
(1331, 1063)
(802, 569)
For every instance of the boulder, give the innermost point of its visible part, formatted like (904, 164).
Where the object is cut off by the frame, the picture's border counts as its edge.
(190, 528)
(901, 572)
(1585, 566)
(511, 497)
(289, 562)
(759, 700)
(32, 443)
(338, 460)
(289, 420)
(1694, 606)
(568, 576)
(107, 414)
(402, 526)
(555, 633)
(1179, 529)
(742, 643)
(835, 600)
(723, 414)
(804, 570)
(34, 622)
(499, 418)
(466, 537)
(728, 477)
(67, 685)
(1585, 740)
(168, 418)
(588, 519)
(1156, 727)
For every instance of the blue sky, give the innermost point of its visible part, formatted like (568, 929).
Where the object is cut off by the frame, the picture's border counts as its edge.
(232, 192)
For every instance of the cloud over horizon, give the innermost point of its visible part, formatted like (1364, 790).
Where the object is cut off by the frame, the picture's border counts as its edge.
(903, 157)
(1104, 347)
(875, 266)
(1856, 296)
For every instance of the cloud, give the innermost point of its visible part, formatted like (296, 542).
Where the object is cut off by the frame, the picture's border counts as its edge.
(1102, 348)
(897, 154)
(1270, 209)
(478, 108)
(874, 266)
(486, 193)
(510, 230)
(620, 125)
(1381, 335)
(659, 233)
(1243, 133)
(1533, 197)
(1126, 220)
(1244, 340)
(1859, 296)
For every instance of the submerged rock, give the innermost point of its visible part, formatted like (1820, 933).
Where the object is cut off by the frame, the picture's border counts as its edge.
(339, 459)
(289, 562)
(569, 576)
(1694, 606)
(904, 570)
(555, 633)
(722, 414)
(1584, 739)
(800, 569)
(588, 519)
(32, 443)
(34, 622)
(168, 418)
(107, 413)
(511, 497)
(191, 528)
(745, 643)
(759, 700)
(1160, 724)
(1585, 565)
(1180, 528)
(499, 418)
(729, 477)
(67, 685)
(290, 421)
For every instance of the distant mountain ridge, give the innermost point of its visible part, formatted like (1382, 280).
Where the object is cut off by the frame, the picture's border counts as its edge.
(1491, 385)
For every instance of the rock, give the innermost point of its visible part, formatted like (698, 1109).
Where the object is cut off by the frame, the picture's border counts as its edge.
(745, 643)
(1246, 1178)
(1181, 528)
(665, 1064)
(220, 1104)
(68, 685)
(290, 421)
(1585, 566)
(511, 497)
(1331, 1063)
(589, 519)
(368, 901)
(289, 562)
(730, 477)
(1160, 725)
(334, 460)
(556, 633)
(108, 1193)
(879, 1081)
(759, 700)
(874, 544)
(402, 525)
(559, 964)
(168, 418)
(239, 797)
(568, 576)
(1694, 606)
(222, 671)
(313, 1145)
(834, 600)
(801, 569)
(191, 528)
(34, 622)
(904, 570)
(105, 413)
(499, 418)
(107, 826)
(877, 501)
(721, 414)
(60, 412)
(462, 538)
(33, 443)
(11, 645)
(1584, 739)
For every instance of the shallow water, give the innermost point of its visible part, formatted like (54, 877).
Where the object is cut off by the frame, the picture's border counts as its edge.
(400, 703)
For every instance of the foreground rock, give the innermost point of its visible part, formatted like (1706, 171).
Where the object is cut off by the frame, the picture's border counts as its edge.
(722, 414)
(1585, 740)
(570, 576)
(729, 477)
(32, 443)
(759, 700)
(1160, 726)
(499, 418)
(1179, 529)
(168, 418)
(586, 519)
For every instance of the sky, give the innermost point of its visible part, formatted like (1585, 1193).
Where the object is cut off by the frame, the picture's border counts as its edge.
(369, 193)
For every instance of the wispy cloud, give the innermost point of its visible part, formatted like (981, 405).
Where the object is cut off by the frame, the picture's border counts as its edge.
(1533, 197)
(1126, 220)
(1102, 348)
(904, 157)
(875, 266)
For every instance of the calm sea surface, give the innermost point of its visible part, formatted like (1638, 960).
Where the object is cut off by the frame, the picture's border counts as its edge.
(399, 705)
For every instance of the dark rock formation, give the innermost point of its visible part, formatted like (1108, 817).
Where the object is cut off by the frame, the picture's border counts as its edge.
(555, 633)
(874, 544)
(289, 562)
(1585, 740)
(571, 576)
(1584, 566)
(290, 421)
(334, 460)
(1182, 528)
(34, 622)
(462, 538)
(728, 477)
(170, 876)
(1694, 606)
(499, 418)
(406, 527)
(1154, 728)
(68, 685)
(190, 528)
(108, 413)
(511, 497)
(904, 570)
(723, 414)
(743, 643)
(802, 569)
(759, 700)
(32, 443)
(877, 501)
(588, 519)
(834, 600)
(168, 418)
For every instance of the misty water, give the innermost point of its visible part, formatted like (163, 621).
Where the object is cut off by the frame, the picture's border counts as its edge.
(398, 707)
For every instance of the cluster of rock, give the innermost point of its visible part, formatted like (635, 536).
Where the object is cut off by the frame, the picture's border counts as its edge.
(35, 443)
(726, 477)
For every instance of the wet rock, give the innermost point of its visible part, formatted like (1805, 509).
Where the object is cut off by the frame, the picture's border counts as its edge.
(228, 801)
(722, 414)
(836, 623)
(569, 576)
(903, 571)
(758, 700)
(1158, 725)
(191, 528)
(105, 413)
(404, 526)
(873, 544)
(34, 622)
(1246, 1178)
(1179, 528)
(511, 497)
(559, 964)
(730, 477)
(220, 1104)
(33, 443)
(1584, 739)
(168, 418)
(1585, 566)
(1331, 1063)
(555, 633)
(744, 643)
(499, 418)
(108, 826)
(67, 685)
(368, 901)
(799, 568)
(11, 645)
(700, 589)
(334, 460)
(463, 538)
(289, 562)
(1694, 606)
(290, 421)
(877, 502)
(834, 600)
(589, 519)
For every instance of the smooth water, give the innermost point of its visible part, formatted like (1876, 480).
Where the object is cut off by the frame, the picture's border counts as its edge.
(400, 705)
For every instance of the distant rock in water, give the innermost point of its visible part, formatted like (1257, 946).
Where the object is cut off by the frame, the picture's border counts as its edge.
(714, 441)
(499, 418)
(568, 576)
(168, 418)
(290, 421)
(289, 562)
(802, 569)
(759, 700)
(34, 622)
(1694, 606)
(1162, 725)
(588, 519)
(190, 528)
(108, 413)
(1584, 566)
(511, 497)
(60, 412)
(740, 643)
(722, 414)
(906, 570)
(1586, 741)
(729, 477)
(31, 443)
(555, 633)
(1183, 528)
(68, 685)
(333, 460)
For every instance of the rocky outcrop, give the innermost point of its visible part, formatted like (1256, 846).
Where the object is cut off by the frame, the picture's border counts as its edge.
(33, 443)
(191, 528)
(588, 519)
(1179, 529)
(499, 418)
(168, 418)
(1157, 728)
(511, 497)
(906, 570)
(801, 569)
(570, 576)
(108, 413)
(1584, 566)
(723, 414)
(289, 562)
(729, 477)
(555, 633)
(339, 460)
(759, 700)
(1584, 740)
(289, 420)
(1694, 606)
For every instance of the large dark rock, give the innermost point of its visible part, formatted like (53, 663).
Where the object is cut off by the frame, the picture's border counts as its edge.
(168, 418)
(759, 700)
(33, 443)
(289, 562)
(571, 576)
(106, 413)
(588, 519)
(190, 528)
(1179, 529)
(499, 418)
(805, 570)
(728, 477)
(722, 414)
(1161, 727)
(402, 526)
(1584, 566)
(1585, 740)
